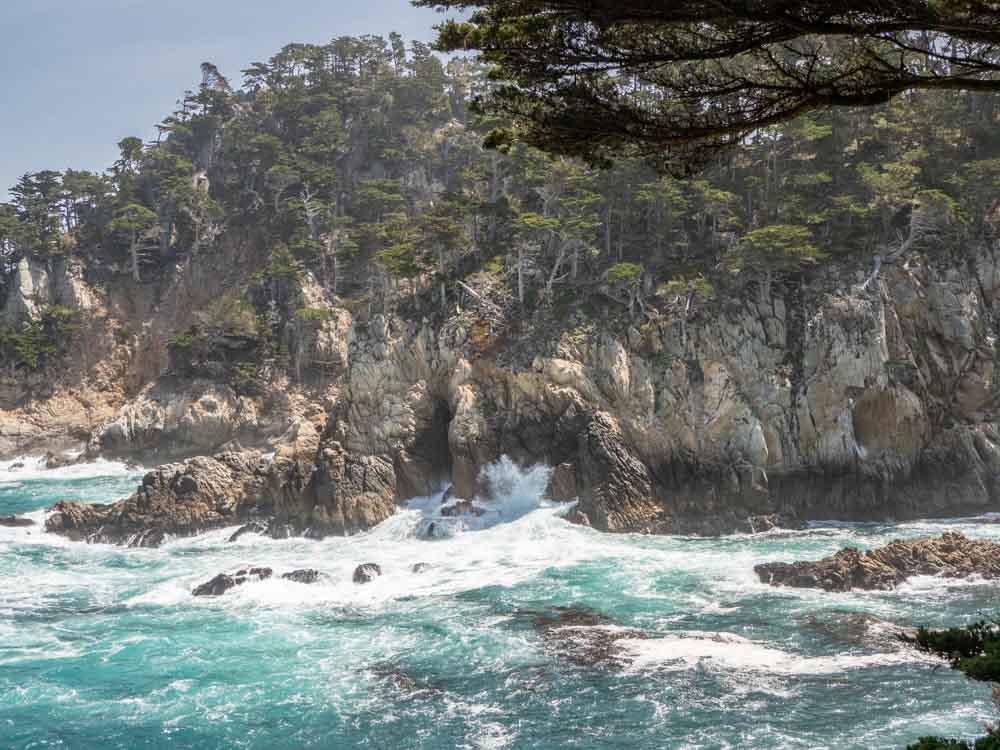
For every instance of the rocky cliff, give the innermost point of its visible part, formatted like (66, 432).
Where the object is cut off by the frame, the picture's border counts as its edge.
(788, 400)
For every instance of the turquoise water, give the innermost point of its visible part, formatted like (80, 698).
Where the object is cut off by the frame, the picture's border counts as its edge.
(102, 647)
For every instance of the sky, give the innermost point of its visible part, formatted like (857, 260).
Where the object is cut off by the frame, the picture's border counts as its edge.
(77, 76)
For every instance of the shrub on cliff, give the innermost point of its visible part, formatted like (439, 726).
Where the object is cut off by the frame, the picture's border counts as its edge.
(974, 651)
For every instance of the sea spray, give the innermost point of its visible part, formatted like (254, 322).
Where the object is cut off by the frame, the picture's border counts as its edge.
(511, 493)
(515, 491)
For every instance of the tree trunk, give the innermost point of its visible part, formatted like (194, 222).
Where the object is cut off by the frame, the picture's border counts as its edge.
(520, 274)
(134, 249)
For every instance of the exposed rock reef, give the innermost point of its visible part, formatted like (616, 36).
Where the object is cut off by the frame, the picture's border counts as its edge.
(583, 637)
(804, 401)
(951, 555)
(174, 500)
(225, 581)
(367, 573)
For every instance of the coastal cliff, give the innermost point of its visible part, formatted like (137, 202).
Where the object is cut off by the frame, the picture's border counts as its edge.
(877, 401)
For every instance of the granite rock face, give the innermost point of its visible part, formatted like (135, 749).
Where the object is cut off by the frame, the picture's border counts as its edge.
(952, 555)
(815, 401)
(782, 403)
(173, 500)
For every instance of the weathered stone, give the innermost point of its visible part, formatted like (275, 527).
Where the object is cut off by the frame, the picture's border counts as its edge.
(175, 499)
(582, 636)
(951, 555)
(367, 573)
(254, 527)
(226, 581)
(302, 576)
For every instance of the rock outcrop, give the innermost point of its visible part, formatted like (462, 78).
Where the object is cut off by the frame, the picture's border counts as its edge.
(952, 555)
(174, 500)
(226, 581)
(583, 637)
(306, 575)
(366, 573)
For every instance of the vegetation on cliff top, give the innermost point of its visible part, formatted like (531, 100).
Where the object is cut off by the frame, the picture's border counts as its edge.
(361, 163)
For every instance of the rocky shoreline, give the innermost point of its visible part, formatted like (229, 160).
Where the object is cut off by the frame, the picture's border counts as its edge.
(818, 399)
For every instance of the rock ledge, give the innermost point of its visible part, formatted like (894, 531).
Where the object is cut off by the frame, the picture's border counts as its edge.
(952, 555)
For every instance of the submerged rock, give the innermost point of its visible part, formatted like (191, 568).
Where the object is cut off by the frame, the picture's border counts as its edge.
(15, 521)
(306, 575)
(420, 567)
(951, 555)
(226, 581)
(858, 629)
(584, 637)
(400, 679)
(367, 573)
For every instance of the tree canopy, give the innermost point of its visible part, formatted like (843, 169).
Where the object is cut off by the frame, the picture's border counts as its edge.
(676, 81)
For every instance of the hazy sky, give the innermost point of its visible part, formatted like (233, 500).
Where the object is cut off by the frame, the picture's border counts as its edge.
(79, 75)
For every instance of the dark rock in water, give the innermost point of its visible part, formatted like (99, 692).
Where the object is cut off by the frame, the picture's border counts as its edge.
(56, 461)
(446, 496)
(149, 539)
(15, 521)
(16, 465)
(254, 527)
(224, 581)
(281, 531)
(951, 555)
(306, 575)
(858, 629)
(759, 524)
(582, 636)
(367, 573)
(400, 679)
(420, 567)
(462, 508)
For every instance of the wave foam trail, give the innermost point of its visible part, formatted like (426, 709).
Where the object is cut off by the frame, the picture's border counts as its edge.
(27, 468)
(731, 652)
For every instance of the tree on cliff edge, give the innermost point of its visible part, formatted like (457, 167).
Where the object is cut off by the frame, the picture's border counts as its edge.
(676, 81)
(975, 651)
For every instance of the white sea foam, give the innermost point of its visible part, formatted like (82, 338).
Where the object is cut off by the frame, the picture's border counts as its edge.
(27, 468)
(731, 652)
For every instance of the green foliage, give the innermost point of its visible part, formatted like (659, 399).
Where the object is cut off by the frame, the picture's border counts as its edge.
(777, 247)
(678, 82)
(358, 165)
(230, 316)
(973, 650)
(686, 286)
(40, 341)
(624, 273)
(314, 314)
